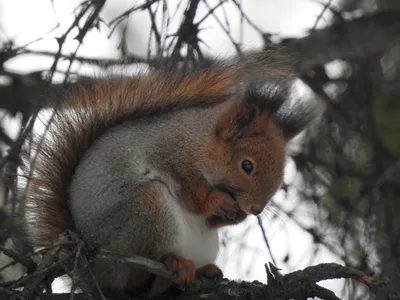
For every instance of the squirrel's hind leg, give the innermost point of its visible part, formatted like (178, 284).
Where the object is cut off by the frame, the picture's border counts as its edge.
(134, 222)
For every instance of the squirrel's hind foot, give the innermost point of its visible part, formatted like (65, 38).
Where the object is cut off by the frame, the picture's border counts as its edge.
(209, 271)
(183, 268)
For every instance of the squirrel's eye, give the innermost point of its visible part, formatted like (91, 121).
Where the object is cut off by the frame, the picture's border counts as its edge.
(247, 166)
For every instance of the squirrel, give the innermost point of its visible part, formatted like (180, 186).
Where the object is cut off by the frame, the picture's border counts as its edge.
(154, 165)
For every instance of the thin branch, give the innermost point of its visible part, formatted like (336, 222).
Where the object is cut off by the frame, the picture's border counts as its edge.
(141, 262)
(115, 22)
(260, 224)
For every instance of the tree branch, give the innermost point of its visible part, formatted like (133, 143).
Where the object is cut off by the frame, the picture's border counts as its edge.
(296, 285)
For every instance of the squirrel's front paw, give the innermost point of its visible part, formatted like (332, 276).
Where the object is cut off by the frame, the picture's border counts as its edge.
(181, 267)
(209, 271)
(224, 206)
(230, 211)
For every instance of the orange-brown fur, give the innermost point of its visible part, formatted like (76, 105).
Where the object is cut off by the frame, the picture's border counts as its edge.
(209, 271)
(180, 266)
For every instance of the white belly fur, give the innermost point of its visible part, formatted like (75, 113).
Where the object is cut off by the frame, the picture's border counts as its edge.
(196, 242)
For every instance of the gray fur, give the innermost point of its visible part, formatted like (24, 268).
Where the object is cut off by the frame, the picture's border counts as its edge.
(107, 183)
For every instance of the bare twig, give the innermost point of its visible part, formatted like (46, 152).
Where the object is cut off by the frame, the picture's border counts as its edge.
(141, 262)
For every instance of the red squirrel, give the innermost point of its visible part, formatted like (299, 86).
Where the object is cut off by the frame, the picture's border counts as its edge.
(154, 165)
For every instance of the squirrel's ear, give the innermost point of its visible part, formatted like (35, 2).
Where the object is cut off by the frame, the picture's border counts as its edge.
(237, 120)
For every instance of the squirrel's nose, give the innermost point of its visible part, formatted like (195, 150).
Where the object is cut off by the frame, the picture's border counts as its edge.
(256, 210)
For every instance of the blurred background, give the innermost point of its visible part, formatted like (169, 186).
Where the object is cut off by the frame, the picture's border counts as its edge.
(340, 201)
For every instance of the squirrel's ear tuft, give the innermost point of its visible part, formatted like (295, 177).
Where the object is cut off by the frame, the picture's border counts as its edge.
(237, 121)
(293, 118)
(269, 96)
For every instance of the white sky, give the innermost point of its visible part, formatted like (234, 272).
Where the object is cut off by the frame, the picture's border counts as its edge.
(27, 20)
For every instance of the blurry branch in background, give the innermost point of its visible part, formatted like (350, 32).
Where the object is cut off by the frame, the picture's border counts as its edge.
(355, 40)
